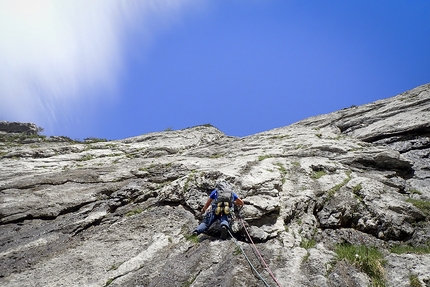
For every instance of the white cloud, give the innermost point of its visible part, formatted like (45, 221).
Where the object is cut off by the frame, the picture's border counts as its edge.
(55, 54)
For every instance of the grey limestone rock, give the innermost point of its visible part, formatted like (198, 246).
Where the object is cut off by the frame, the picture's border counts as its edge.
(17, 127)
(121, 213)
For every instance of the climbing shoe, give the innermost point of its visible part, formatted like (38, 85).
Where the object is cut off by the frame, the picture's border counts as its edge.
(223, 232)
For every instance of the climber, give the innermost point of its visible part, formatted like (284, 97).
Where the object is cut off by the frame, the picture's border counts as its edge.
(221, 201)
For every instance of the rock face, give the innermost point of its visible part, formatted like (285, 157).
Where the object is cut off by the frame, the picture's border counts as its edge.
(120, 213)
(14, 127)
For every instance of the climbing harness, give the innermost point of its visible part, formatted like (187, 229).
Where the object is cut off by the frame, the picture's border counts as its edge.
(222, 207)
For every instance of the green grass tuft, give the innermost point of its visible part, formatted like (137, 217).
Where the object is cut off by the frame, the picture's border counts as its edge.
(308, 244)
(337, 187)
(414, 281)
(109, 282)
(368, 259)
(401, 249)
(357, 188)
(283, 171)
(193, 238)
(87, 157)
(263, 157)
(134, 212)
(422, 205)
(318, 174)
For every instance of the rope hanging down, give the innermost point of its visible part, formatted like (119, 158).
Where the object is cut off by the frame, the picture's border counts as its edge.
(247, 259)
(261, 257)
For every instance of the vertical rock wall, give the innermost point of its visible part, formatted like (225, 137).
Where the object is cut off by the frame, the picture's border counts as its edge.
(120, 213)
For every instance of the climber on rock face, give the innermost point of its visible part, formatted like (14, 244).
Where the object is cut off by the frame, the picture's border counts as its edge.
(221, 201)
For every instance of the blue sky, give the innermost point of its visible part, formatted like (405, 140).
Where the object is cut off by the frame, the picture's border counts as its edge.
(115, 69)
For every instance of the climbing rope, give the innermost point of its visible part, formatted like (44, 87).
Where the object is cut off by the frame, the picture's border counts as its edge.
(259, 254)
(247, 259)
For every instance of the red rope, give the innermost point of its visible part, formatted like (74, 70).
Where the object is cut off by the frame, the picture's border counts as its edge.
(261, 257)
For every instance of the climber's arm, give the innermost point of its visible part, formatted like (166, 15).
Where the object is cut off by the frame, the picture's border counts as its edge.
(239, 202)
(208, 203)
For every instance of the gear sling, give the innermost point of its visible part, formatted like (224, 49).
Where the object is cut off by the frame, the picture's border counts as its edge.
(224, 200)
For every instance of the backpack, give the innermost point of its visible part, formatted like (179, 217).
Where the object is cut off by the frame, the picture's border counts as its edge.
(224, 202)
